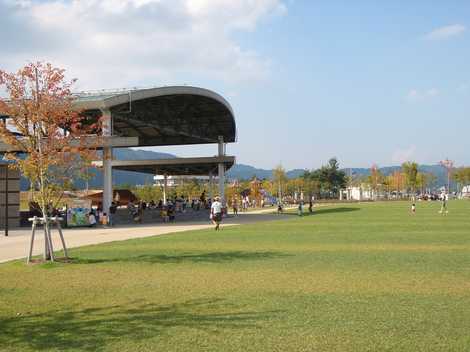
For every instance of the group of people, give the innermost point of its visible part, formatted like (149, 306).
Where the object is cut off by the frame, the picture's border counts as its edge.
(300, 207)
(443, 198)
(168, 209)
(98, 215)
(245, 203)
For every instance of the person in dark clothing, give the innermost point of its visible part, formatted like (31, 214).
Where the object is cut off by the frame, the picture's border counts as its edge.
(202, 198)
(171, 213)
(112, 213)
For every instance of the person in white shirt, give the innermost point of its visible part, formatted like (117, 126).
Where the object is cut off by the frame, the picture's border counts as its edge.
(92, 219)
(444, 200)
(216, 213)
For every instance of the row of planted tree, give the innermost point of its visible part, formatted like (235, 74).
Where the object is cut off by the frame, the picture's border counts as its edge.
(410, 181)
(323, 183)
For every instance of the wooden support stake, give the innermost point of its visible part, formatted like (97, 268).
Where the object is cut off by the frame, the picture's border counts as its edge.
(31, 245)
(59, 228)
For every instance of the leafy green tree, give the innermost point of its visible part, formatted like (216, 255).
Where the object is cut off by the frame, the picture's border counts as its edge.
(268, 186)
(311, 186)
(148, 192)
(375, 179)
(462, 176)
(410, 170)
(330, 178)
(424, 180)
(127, 186)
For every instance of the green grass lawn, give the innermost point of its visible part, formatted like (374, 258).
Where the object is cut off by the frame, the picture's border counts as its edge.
(367, 277)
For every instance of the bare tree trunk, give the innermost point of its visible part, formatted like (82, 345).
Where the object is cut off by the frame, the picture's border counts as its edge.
(47, 228)
(47, 253)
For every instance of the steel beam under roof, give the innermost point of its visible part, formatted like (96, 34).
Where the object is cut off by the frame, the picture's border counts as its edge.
(94, 141)
(175, 166)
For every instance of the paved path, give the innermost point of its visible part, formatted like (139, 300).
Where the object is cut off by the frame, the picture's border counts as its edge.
(16, 245)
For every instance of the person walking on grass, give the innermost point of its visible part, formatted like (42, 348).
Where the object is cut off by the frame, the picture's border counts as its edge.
(216, 213)
(235, 206)
(300, 209)
(444, 200)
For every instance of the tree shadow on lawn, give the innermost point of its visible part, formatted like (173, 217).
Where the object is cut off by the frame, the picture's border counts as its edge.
(211, 257)
(324, 211)
(92, 329)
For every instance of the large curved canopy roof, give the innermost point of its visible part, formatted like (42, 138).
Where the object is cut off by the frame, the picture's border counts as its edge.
(164, 116)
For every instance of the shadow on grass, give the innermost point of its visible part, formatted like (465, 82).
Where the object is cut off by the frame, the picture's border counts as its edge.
(211, 257)
(326, 211)
(93, 329)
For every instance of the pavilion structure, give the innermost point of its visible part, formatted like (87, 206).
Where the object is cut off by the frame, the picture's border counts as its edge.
(164, 116)
(202, 166)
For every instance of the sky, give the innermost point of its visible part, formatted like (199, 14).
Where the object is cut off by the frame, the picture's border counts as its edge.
(368, 82)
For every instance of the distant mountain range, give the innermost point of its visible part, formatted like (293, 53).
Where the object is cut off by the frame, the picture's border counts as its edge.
(244, 172)
(241, 171)
(120, 177)
(238, 171)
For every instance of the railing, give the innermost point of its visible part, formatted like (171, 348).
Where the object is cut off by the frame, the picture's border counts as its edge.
(111, 91)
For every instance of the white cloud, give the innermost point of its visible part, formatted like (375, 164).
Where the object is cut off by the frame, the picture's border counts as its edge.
(418, 95)
(111, 43)
(402, 155)
(446, 32)
(412, 94)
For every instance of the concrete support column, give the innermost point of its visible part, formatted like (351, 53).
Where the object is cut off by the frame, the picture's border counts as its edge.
(221, 171)
(211, 184)
(222, 183)
(107, 162)
(165, 183)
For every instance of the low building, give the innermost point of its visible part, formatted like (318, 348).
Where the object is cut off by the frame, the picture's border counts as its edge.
(9, 197)
(362, 192)
(466, 192)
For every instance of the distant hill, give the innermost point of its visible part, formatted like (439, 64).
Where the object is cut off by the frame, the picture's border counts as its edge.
(238, 171)
(246, 172)
(119, 176)
(138, 154)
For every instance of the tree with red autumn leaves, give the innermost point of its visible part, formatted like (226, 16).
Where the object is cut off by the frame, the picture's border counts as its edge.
(46, 136)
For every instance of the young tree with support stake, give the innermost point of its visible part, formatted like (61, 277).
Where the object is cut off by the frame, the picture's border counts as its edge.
(410, 170)
(46, 137)
(279, 179)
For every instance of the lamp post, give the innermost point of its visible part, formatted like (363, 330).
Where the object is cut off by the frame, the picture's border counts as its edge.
(448, 165)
